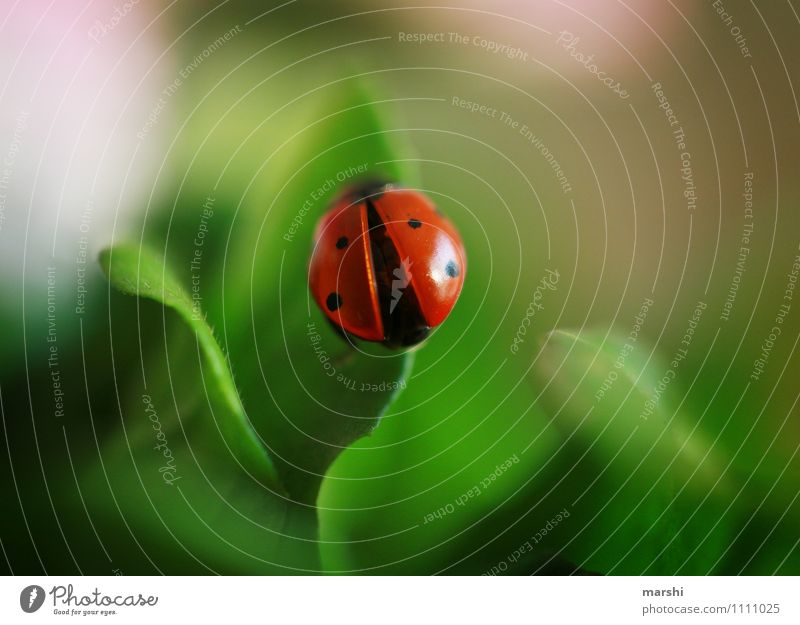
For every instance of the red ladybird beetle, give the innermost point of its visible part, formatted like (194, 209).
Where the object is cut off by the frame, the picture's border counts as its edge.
(386, 265)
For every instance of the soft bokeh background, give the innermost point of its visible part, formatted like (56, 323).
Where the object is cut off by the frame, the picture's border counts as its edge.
(94, 147)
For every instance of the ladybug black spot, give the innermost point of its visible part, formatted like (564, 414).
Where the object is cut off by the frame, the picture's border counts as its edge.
(451, 269)
(341, 243)
(334, 301)
(414, 223)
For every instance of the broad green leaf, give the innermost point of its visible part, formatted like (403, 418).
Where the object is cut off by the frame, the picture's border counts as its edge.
(646, 477)
(186, 501)
(250, 404)
(317, 394)
(143, 272)
(605, 390)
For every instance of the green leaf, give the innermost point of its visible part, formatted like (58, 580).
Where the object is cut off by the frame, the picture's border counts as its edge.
(255, 384)
(619, 406)
(606, 389)
(304, 415)
(168, 492)
(319, 394)
(143, 272)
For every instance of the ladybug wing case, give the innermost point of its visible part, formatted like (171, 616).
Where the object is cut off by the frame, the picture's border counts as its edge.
(431, 245)
(341, 275)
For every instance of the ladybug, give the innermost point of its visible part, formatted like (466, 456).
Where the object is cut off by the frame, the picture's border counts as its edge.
(386, 265)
